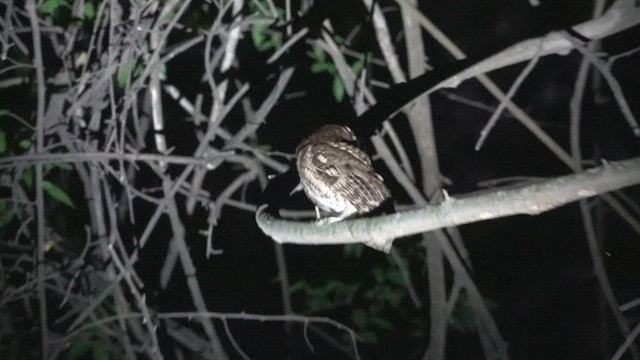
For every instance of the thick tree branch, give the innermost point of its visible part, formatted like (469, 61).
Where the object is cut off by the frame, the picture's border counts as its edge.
(531, 199)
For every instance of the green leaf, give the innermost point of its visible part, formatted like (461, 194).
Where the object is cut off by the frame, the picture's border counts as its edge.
(49, 6)
(394, 298)
(265, 45)
(123, 75)
(359, 318)
(319, 67)
(335, 285)
(395, 277)
(320, 302)
(369, 336)
(64, 166)
(79, 348)
(314, 291)
(27, 177)
(277, 40)
(138, 70)
(298, 286)
(265, 147)
(378, 274)
(3, 142)
(375, 308)
(318, 54)
(353, 250)
(89, 10)
(57, 193)
(100, 351)
(76, 23)
(463, 317)
(382, 323)
(357, 66)
(258, 36)
(7, 215)
(25, 144)
(338, 89)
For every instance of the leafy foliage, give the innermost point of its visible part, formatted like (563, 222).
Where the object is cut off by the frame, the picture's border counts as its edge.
(91, 346)
(322, 64)
(263, 37)
(15, 211)
(265, 40)
(370, 303)
(60, 11)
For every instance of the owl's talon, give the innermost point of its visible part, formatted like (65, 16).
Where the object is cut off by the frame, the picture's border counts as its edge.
(328, 220)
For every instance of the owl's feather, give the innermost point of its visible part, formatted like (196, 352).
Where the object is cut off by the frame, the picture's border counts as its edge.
(336, 175)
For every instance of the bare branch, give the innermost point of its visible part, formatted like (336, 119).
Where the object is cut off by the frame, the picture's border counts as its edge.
(40, 215)
(530, 199)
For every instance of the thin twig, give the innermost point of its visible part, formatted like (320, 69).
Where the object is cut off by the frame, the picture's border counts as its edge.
(616, 89)
(40, 216)
(503, 102)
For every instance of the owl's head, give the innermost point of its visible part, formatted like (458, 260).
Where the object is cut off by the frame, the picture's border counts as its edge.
(333, 132)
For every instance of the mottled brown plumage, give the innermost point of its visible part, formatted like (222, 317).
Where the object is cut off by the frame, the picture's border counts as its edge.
(337, 175)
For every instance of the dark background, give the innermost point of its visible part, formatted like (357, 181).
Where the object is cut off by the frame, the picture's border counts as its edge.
(536, 272)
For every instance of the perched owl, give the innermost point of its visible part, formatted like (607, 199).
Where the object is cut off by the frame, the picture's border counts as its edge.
(337, 175)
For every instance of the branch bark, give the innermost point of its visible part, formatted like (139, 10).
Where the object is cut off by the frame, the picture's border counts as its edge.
(530, 199)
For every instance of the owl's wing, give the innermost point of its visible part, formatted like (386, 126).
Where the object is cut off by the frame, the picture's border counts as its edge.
(353, 150)
(352, 175)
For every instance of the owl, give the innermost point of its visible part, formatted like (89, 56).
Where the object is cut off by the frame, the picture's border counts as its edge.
(337, 176)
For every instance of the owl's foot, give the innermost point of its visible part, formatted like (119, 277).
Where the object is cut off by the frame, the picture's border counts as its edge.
(348, 212)
(329, 220)
(379, 243)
